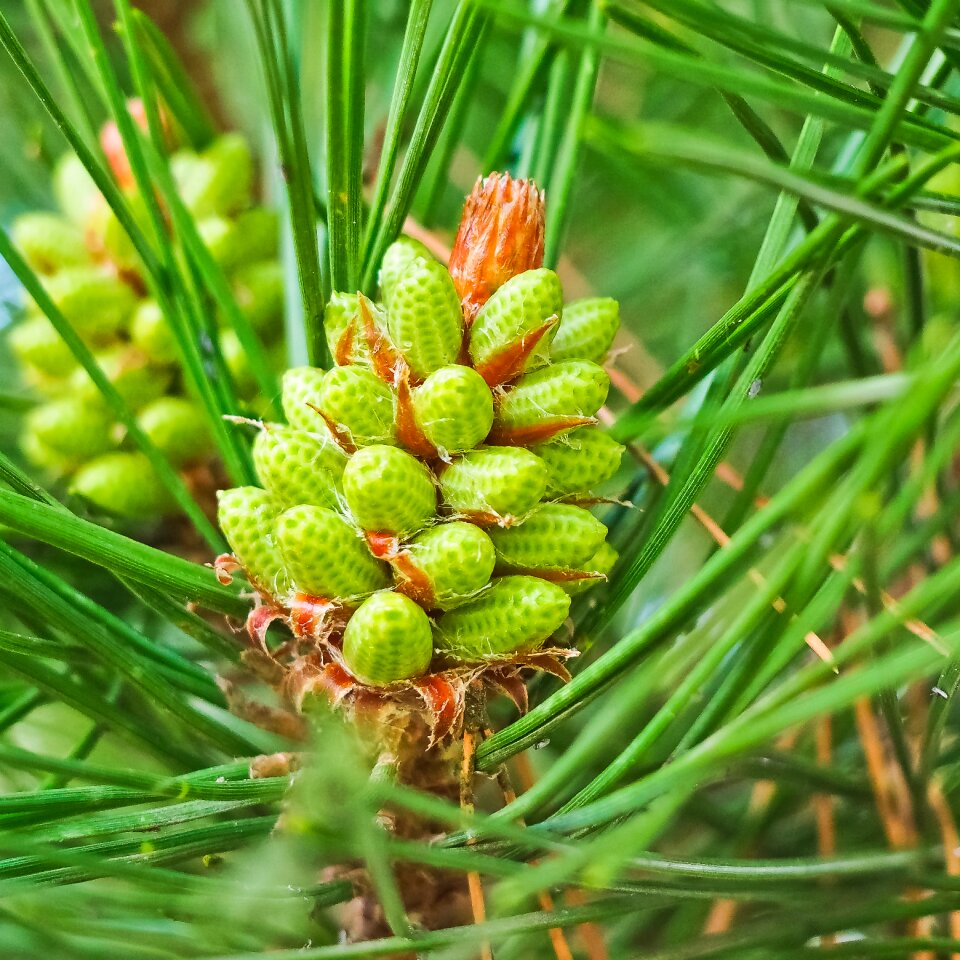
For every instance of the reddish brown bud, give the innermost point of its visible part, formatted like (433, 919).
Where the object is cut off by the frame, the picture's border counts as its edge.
(112, 144)
(500, 235)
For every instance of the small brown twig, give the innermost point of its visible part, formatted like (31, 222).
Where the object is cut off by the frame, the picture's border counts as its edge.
(474, 883)
(558, 939)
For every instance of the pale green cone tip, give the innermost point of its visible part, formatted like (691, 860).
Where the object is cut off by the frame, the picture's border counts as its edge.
(556, 536)
(388, 639)
(300, 394)
(455, 559)
(325, 555)
(389, 491)
(424, 318)
(579, 461)
(298, 467)
(248, 518)
(587, 330)
(360, 404)
(176, 426)
(399, 255)
(500, 481)
(515, 615)
(123, 484)
(524, 303)
(454, 408)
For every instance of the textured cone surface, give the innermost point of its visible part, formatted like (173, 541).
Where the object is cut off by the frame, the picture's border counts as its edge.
(49, 243)
(600, 563)
(150, 332)
(123, 484)
(95, 304)
(518, 308)
(454, 408)
(574, 388)
(324, 555)
(71, 428)
(298, 467)
(579, 461)
(219, 180)
(35, 342)
(587, 330)
(500, 236)
(456, 559)
(176, 427)
(248, 518)
(388, 639)
(557, 536)
(301, 387)
(503, 481)
(424, 319)
(515, 615)
(399, 256)
(359, 403)
(388, 490)
(131, 373)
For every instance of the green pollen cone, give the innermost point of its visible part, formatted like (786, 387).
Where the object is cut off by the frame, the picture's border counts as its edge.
(500, 481)
(424, 319)
(454, 408)
(105, 228)
(399, 256)
(131, 373)
(248, 518)
(579, 461)
(218, 235)
(556, 536)
(219, 180)
(389, 491)
(71, 428)
(237, 362)
(524, 303)
(359, 403)
(36, 343)
(388, 639)
(150, 331)
(300, 388)
(573, 388)
(75, 190)
(325, 556)
(258, 289)
(298, 467)
(49, 243)
(587, 330)
(40, 455)
(514, 616)
(256, 238)
(453, 560)
(123, 484)
(177, 428)
(94, 303)
(602, 563)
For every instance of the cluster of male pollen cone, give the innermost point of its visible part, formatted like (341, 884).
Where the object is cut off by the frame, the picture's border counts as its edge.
(94, 276)
(424, 513)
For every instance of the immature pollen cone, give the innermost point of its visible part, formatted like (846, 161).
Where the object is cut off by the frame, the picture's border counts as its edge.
(500, 235)
(419, 524)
